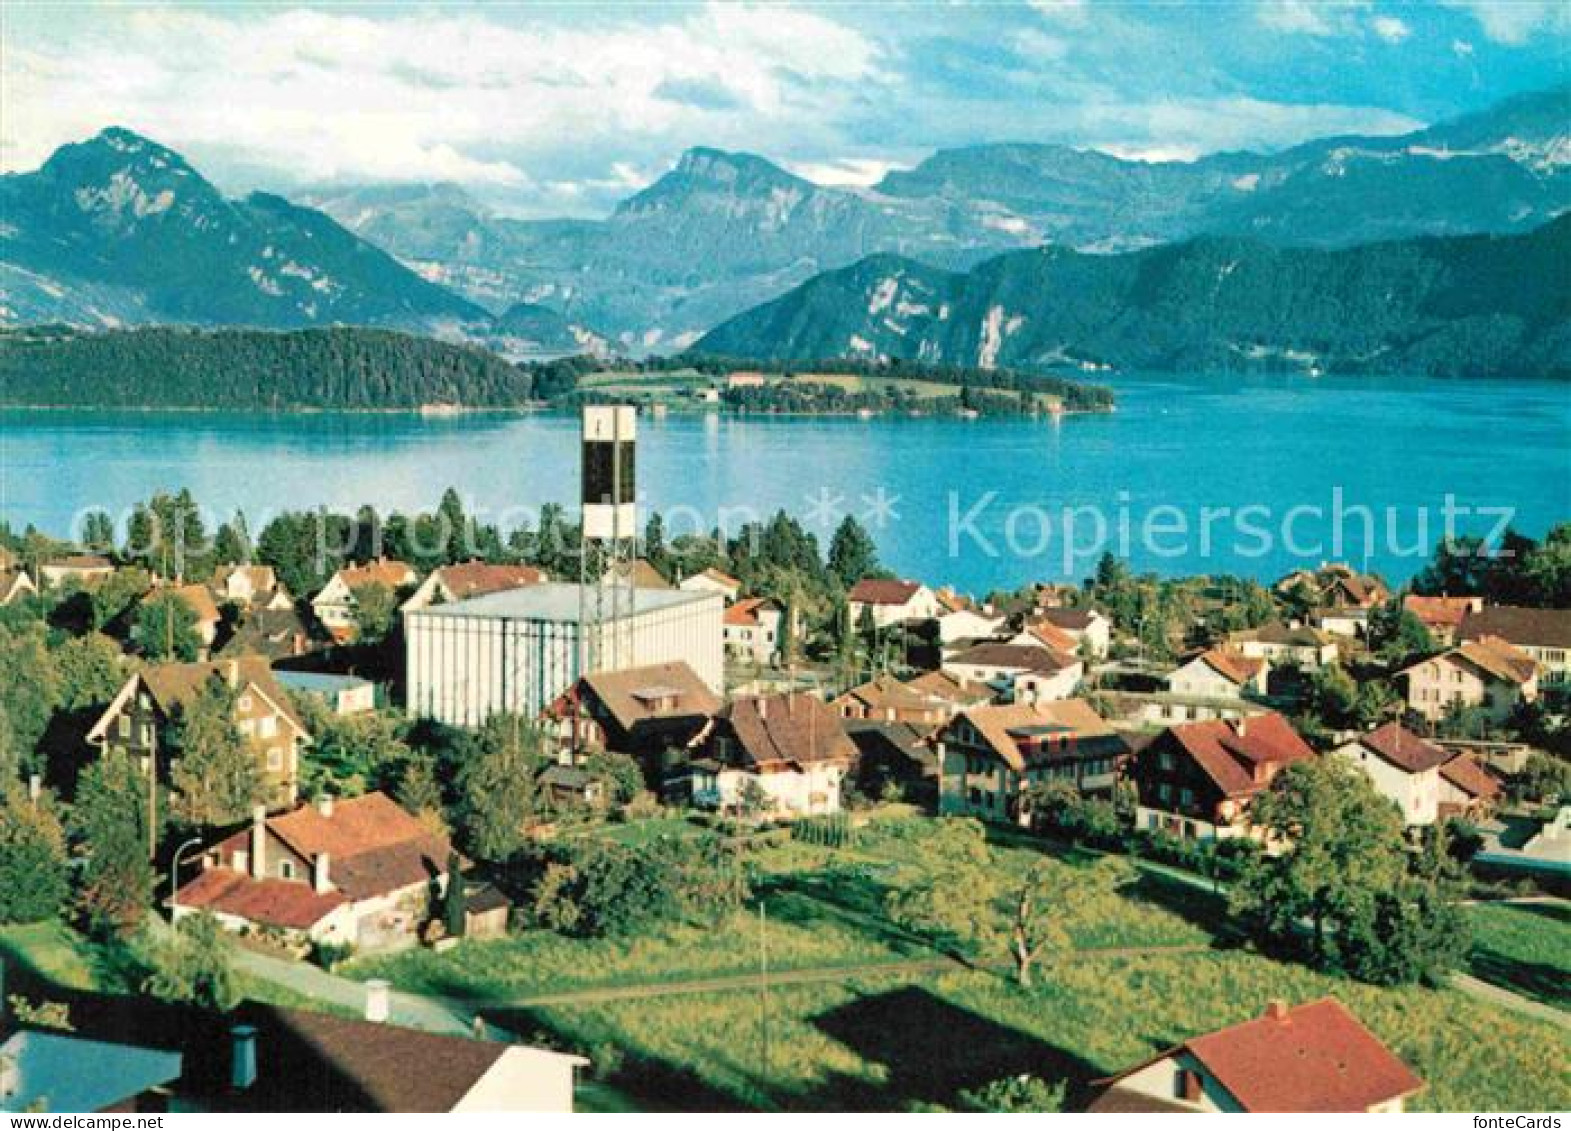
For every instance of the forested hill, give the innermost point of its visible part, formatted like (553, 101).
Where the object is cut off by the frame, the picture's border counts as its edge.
(1466, 305)
(339, 368)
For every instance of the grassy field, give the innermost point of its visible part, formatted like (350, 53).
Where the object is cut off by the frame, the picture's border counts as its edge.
(1525, 947)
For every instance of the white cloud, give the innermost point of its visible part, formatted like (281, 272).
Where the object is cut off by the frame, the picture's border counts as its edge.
(1513, 22)
(1390, 29)
(849, 172)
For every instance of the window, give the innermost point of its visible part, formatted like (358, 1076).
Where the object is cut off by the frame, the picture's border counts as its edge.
(267, 726)
(245, 702)
(147, 734)
(286, 869)
(123, 726)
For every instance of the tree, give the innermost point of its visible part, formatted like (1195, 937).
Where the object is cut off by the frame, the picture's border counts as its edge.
(166, 628)
(1016, 1095)
(376, 610)
(98, 532)
(655, 552)
(453, 898)
(33, 879)
(1343, 846)
(115, 594)
(193, 966)
(109, 830)
(497, 784)
(852, 553)
(213, 771)
(232, 543)
(1397, 636)
(619, 773)
(419, 793)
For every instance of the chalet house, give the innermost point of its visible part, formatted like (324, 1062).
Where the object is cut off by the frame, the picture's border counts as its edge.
(1088, 628)
(1220, 674)
(139, 718)
(206, 619)
(1403, 767)
(334, 605)
(1486, 673)
(80, 568)
(890, 602)
(1340, 597)
(1197, 780)
(277, 634)
(361, 872)
(1544, 634)
(1286, 646)
(788, 752)
(1018, 670)
(459, 582)
(1314, 1057)
(1442, 616)
(642, 712)
(886, 700)
(713, 581)
(752, 629)
(15, 584)
(991, 756)
(261, 1058)
(251, 587)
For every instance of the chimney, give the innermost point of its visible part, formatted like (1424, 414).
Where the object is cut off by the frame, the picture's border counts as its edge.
(1276, 1010)
(258, 842)
(321, 877)
(324, 804)
(377, 993)
(35, 787)
(242, 1057)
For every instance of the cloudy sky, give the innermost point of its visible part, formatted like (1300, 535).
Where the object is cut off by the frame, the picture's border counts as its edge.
(564, 109)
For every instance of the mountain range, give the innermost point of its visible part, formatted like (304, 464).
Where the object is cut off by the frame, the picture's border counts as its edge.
(1478, 305)
(121, 230)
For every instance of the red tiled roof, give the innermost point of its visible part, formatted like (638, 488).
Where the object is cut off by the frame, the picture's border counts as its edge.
(1233, 666)
(883, 591)
(1466, 774)
(474, 579)
(1052, 636)
(291, 904)
(1228, 757)
(1440, 612)
(384, 571)
(1404, 749)
(197, 598)
(1312, 1057)
(744, 613)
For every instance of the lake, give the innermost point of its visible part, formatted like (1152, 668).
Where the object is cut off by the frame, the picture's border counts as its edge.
(1192, 474)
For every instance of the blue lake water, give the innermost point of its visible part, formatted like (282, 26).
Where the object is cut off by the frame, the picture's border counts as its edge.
(978, 503)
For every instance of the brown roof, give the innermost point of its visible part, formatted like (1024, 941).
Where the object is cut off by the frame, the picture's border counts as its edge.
(1301, 636)
(1024, 657)
(1052, 636)
(1498, 658)
(642, 575)
(886, 692)
(722, 578)
(1311, 1057)
(1440, 612)
(1404, 749)
(273, 633)
(384, 571)
(942, 685)
(291, 904)
(1466, 774)
(1001, 726)
(173, 686)
(1538, 628)
(1073, 620)
(1229, 751)
(262, 577)
(951, 601)
(474, 579)
(637, 694)
(80, 561)
(793, 729)
(198, 598)
(1233, 666)
(882, 591)
(744, 613)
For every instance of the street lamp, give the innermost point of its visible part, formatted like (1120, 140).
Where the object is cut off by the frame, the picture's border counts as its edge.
(174, 873)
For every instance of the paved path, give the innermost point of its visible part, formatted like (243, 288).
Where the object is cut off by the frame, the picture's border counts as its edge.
(417, 1011)
(1509, 999)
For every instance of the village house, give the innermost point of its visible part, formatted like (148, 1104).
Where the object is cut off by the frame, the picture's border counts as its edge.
(1340, 598)
(1089, 629)
(251, 587)
(1402, 767)
(647, 713)
(752, 628)
(885, 699)
(991, 756)
(1544, 634)
(139, 719)
(262, 1058)
(1467, 788)
(947, 691)
(1219, 673)
(964, 623)
(889, 602)
(83, 569)
(1197, 780)
(446, 584)
(1442, 616)
(1046, 634)
(1314, 1057)
(1486, 673)
(1019, 671)
(361, 872)
(14, 584)
(1286, 646)
(334, 605)
(774, 756)
(205, 617)
(712, 581)
(277, 634)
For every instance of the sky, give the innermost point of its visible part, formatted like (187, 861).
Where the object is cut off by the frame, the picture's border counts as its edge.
(565, 109)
